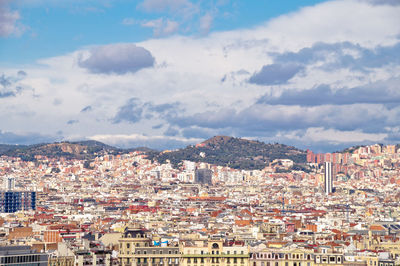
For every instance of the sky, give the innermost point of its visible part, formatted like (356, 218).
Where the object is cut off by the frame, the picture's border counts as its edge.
(315, 74)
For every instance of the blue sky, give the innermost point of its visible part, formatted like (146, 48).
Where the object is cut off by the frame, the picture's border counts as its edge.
(167, 73)
(55, 27)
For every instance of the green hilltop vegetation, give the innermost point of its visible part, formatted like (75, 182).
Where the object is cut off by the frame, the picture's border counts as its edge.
(83, 150)
(232, 152)
(220, 150)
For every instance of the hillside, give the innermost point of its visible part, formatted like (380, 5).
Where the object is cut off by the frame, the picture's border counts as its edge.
(233, 152)
(69, 150)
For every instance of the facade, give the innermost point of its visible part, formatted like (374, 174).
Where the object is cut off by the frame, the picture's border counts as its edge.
(301, 257)
(328, 179)
(203, 176)
(62, 261)
(22, 255)
(214, 252)
(137, 248)
(13, 201)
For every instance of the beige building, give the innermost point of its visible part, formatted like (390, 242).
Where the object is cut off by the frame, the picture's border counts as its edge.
(214, 252)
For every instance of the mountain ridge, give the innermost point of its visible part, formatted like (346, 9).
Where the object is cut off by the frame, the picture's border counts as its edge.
(233, 152)
(238, 153)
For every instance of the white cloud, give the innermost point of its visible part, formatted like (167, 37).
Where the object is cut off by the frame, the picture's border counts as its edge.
(176, 6)
(205, 23)
(128, 21)
(318, 134)
(9, 20)
(137, 140)
(162, 27)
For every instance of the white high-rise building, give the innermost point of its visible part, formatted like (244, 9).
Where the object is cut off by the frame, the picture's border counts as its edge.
(328, 179)
(9, 183)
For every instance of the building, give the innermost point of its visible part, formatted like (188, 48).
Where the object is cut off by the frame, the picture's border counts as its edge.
(203, 176)
(328, 179)
(13, 201)
(214, 252)
(62, 261)
(137, 248)
(9, 183)
(22, 255)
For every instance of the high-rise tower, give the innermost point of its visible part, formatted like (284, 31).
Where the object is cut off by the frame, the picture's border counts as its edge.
(328, 179)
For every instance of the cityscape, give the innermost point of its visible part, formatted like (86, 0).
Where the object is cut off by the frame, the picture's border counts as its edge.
(200, 133)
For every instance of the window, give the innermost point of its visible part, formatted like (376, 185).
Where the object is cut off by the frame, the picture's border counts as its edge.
(332, 259)
(202, 252)
(241, 252)
(144, 251)
(188, 260)
(138, 252)
(169, 252)
(215, 246)
(234, 260)
(286, 263)
(202, 260)
(195, 260)
(138, 260)
(128, 245)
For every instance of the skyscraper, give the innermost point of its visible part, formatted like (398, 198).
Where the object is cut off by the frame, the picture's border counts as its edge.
(328, 179)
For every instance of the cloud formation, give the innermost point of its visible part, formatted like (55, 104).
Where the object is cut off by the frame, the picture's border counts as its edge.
(166, 5)
(342, 55)
(134, 110)
(117, 59)
(275, 74)
(382, 92)
(137, 140)
(9, 20)
(384, 2)
(10, 86)
(162, 27)
(27, 138)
